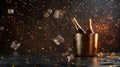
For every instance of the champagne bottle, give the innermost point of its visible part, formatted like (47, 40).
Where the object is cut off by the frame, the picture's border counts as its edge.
(90, 28)
(90, 41)
(78, 43)
(79, 29)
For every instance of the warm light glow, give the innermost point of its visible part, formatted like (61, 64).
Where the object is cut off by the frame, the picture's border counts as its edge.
(102, 28)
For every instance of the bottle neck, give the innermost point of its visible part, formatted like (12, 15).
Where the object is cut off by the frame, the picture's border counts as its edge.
(90, 28)
(79, 29)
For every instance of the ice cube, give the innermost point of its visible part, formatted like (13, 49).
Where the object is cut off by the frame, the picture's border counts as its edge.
(2, 28)
(15, 45)
(100, 54)
(46, 15)
(10, 11)
(49, 11)
(56, 14)
(43, 48)
(56, 41)
(59, 39)
(2, 57)
(39, 27)
(70, 57)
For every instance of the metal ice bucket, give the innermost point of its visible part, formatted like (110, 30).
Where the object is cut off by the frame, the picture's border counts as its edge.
(86, 45)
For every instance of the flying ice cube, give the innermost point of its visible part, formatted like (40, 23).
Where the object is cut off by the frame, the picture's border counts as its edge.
(100, 54)
(58, 14)
(46, 15)
(2, 28)
(39, 27)
(49, 11)
(70, 57)
(15, 45)
(58, 40)
(2, 57)
(10, 11)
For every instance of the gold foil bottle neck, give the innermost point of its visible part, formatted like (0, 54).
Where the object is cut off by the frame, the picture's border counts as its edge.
(89, 27)
(78, 28)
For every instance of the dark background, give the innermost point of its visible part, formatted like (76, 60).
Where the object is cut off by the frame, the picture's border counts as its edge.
(35, 27)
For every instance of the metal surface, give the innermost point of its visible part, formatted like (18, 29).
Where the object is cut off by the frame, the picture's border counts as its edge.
(57, 60)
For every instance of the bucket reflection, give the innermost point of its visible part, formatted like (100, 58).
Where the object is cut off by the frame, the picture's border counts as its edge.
(84, 62)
